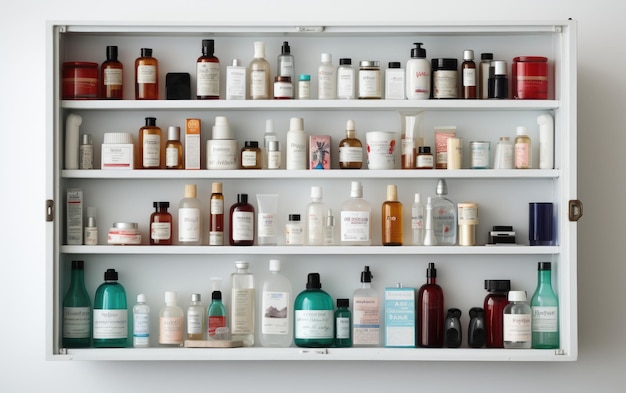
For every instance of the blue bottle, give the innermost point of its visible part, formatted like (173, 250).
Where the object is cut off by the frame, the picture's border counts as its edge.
(110, 313)
(314, 316)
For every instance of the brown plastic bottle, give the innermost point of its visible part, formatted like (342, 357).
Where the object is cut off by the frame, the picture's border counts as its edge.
(468, 68)
(242, 224)
(216, 215)
(150, 145)
(392, 218)
(430, 315)
(111, 76)
(146, 76)
(494, 304)
(208, 73)
(161, 224)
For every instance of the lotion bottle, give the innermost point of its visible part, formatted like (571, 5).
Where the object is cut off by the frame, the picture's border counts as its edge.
(315, 216)
(276, 313)
(366, 314)
(171, 322)
(430, 316)
(189, 232)
(418, 74)
(326, 81)
(296, 144)
(259, 74)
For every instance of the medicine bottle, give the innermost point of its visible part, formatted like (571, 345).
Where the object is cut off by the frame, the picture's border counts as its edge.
(208, 73)
(150, 145)
(391, 214)
(173, 149)
(216, 215)
(242, 225)
(445, 78)
(304, 87)
(517, 321)
(468, 68)
(294, 231)
(161, 224)
(343, 324)
(350, 149)
(146, 76)
(346, 82)
(111, 76)
(251, 155)
(370, 80)
(495, 301)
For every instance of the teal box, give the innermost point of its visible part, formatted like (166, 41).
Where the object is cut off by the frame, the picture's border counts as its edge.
(400, 317)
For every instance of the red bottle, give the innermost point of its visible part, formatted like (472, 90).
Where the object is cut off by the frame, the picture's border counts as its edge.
(494, 305)
(242, 224)
(430, 317)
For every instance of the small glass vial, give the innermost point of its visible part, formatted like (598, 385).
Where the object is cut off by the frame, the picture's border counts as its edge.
(343, 324)
(394, 81)
(273, 155)
(517, 322)
(173, 149)
(294, 231)
(370, 80)
(304, 87)
(86, 152)
(283, 89)
(329, 229)
(251, 155)
(161, 224)
(425, 159)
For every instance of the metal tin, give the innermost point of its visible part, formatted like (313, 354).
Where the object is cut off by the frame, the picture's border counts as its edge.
(480, 154)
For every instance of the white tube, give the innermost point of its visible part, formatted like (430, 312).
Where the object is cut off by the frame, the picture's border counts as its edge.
(266, 222)
(546, 141)
(72, 136)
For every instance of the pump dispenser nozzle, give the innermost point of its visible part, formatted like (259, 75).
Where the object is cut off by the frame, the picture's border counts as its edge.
(418, 52)
(366, 275)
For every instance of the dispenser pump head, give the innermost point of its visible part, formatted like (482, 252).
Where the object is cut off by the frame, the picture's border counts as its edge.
(366, 275)
(418, 52)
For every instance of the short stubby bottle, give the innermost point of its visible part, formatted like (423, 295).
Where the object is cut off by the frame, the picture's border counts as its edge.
(110, 313)
(314, 316)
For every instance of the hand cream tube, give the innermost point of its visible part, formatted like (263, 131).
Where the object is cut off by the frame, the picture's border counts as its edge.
(266, 230)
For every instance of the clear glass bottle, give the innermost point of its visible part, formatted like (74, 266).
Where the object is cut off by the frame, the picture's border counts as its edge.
(343, 324)
(286, 64)
(430, 311)
(112, 76)
(350, 149)
(141, 323)
(356, 218)
(326, 81)
(242, 304)
(313, 316)
(503, 159)
(391, 216)
(160, 224)
(77, 310)
(346, 82)
(110, 313)
(259, 74)
(329, 228)
(208, 73)
(315, 217)
(276, 314)
(173, 149)
(189, 218)
(146, 76)
(495, 301)
(523, 152)
(545, 308)
(195, 318)
(242, 225)
(517, 322)
(150, 144)
(268, 136)
(417, 220)
(366, 315)
(216, 215)
(444, 216)
(171, 322)
(468, 69)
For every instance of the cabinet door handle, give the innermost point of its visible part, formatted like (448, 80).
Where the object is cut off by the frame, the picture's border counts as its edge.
(575, 209)
(49, 210)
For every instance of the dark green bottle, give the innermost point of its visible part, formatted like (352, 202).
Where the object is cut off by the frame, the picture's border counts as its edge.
(77, 310)
(216, 315)
(110, 313)
(314, 325)
(343, 324)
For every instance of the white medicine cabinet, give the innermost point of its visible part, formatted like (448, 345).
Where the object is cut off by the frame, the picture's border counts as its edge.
(128, 195)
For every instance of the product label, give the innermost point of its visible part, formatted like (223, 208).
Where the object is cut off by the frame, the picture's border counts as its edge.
(343, 327)
(517, 327)
(350, 154)
(248, 159)
(216, 238)
(267, 225)
(326, 84)
(304, 90)
(170, 330)
(418, 81)
(273, 160)
(445, 84)
(171, 157)
(469, 76)
(86, 157)
(283, 89)
(216, 322)
(217, 206)
(76, 322)
(113, 76)
(74, 216)
(294, 234)
(141, 325)
(275, 308)
(314, 324)
(242, 311)
(146, 74)
(522, 155)
(424, 161)
(235, 83)
(110, 324)
(369, 84)
(444, 224)
(315, 227)
(479, 155)
(417, 218)
(243, 225)
(117, 156)
(188, 224)
(355, 226)
(545, 319)
(366, 320)
(160, 230)
(400, 317)
(151, 150)
(286, 66)
(222, 155)
(208, 78)
(345, 82)
(408, 146)
(394, 84)
(194, 321)
(258, 84)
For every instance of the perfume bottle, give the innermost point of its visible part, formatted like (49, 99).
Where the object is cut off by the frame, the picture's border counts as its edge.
(444, 216)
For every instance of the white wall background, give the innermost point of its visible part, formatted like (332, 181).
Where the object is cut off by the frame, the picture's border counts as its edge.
(601, 185)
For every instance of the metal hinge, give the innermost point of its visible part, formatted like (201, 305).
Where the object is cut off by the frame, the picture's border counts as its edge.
(575, 209)
(49, 210)
(560, 352)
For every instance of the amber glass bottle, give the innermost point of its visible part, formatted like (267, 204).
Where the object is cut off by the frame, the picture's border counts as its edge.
(350, 149)
(111, 76)
(208, 73)
(161, 224)
(146, 76)
(468, 90)
(216, 215)
(150, 144)
(392, 218)
(173, 149)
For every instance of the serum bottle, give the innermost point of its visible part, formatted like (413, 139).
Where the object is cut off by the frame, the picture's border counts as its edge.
(315, 216)
(208, 73)
(391, 215)
(173, 149)
(259, 78)
(350, 149)
(242, 225)
(111, 76)
(286, 64)
(189, 226)
(146, 76)
(195, 318)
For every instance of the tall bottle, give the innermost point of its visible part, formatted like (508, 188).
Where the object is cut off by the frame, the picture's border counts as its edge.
(469, 77)
(173, 149)
(189, 219)
(242, 224)
(112, 76)
(150, 145)
(523, 152)
(545, 308)
(296, 156)
(286, 64)
(418, 74)
(208, 73)
(313, 316)
(141, 323)
(429, 232)
(483, 75)
(356, 218)
(391, 216)
(495, 301)
(171, 322)
(161, 224)
(110, 313)
(517, 322)
(216, 314)
(444, 216)
(195, 318)
(350, 149)
(430, 311)
(326, 81)
(77, 310)
(417, 220)
(269, 136)
(242, 304)
(315, 216)
(146, 76)
(259, 74)
(216, 215)
(346, 85)
(276, 313)
(366, 315)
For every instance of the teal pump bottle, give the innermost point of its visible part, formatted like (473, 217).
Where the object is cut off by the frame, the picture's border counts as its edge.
(110, 313)
(545, 310)
(314, 316)
(77, 310)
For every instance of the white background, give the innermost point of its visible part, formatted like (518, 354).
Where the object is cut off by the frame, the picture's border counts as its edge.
(601, 83)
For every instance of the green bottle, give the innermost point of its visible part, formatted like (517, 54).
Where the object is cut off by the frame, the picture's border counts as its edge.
(343, 324)
(77, 310)
(216, 316)
(110, 313)
(545, 310)
(314, 316)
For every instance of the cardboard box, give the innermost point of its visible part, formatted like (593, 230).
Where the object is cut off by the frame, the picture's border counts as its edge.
(192, 143)
(319, 146)
(74, 216)
(400, 317)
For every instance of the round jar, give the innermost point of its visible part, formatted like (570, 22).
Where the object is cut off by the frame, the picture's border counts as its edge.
(80, 80)
(530, 78)
(283, 89)
(124, 233)
(445, 76)
(480, 154)
(370, 80)
(425, 159)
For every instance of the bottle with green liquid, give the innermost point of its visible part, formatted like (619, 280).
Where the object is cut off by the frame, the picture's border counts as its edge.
(110, 313)
(77, 310)
(314, 316)
(545, 310)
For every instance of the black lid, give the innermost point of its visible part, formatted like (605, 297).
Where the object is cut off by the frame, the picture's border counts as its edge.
(366, 275)
(285, 48)
(431, 271)
(294, 217)
(208, 47)
(313, 281)
(476, 312)
(454, 313)
(78, 264)
(345, 61)
(423, 149)
(418, 52)
(112, 53)
(544, 266)
(150, 121)
(498, 285)
(216, 295)
(110, 275)
(242, 198)
(146, 52)
(251, 144)
(394, 64)
(486, 56)
(161, 204)
(343, 302)
(444, 64)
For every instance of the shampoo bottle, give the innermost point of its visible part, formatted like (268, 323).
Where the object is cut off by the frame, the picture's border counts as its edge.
(110, 313)
(313, 316)
(430, 316)
(276, 313)
(366, 305)
(418, 74)
(296, 144)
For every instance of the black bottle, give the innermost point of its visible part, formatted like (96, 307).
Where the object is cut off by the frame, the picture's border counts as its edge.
(452, 327)
(476, 333)
(498, 84)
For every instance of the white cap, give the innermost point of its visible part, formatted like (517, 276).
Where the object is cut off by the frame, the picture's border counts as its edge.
(118, 138)
(418, 197)
(259, 49)
(326, 58)
(141, 298)
(216, 283)
(521, 130)
(356, 190)
(221, 129)
(517, 296)
(296, 124)
(241, 264)
(274, 265)
(269, 125)
(316, 192)
(350, 125)
(170, 297)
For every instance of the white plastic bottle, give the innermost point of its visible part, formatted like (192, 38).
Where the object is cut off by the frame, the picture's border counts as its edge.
(141, 323)
(346, 85)
(366, 314)
(242, 304)
(326, 80)
(189, 232)
(356, 218)
(296, 155)
(546, 141)
(171, 322)
(259, 74)
(429, 232)
(418, 74)
(276, 312)
(195, 318)
(315, 217)
(270, 135)
(417, 221)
